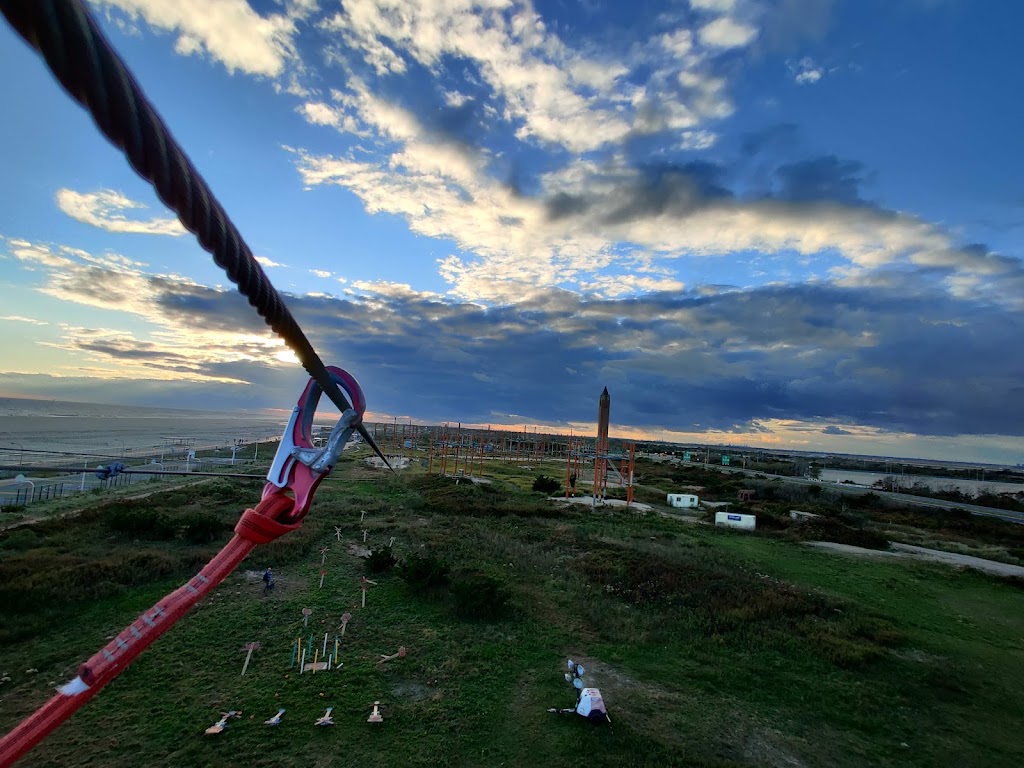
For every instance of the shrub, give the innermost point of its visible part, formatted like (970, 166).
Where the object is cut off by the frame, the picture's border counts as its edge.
(546, 484)
(831, 529)
(475, 595)
(20, 540)
(380, 560)
(137, 521)
(202, 527)
(423, 572)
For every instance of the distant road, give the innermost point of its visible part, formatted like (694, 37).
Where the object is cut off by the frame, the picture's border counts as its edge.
(902, 498)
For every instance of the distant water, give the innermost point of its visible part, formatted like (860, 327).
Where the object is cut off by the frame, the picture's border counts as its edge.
(37, 428)
(15, 406)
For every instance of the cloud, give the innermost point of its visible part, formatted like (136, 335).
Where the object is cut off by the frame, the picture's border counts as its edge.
(20, 319)
(763, 361)
(571, 234)
(105, 208)
(525, 76)
(806, 72)
(725, 32)
(170, 342)
(820, 179)
(269, 263)
(228, 31)
(321, 273)
(834, 430)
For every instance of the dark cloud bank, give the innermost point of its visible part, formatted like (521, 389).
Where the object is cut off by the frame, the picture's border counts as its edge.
(917, 361)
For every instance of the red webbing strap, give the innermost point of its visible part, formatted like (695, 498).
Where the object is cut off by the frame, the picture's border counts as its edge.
(255, 527)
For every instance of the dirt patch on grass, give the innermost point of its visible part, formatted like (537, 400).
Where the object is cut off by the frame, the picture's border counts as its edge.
(413, 691)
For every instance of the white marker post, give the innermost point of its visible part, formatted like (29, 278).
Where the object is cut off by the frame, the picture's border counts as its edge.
(305, 616)
(337, 532)
(364, 536)
(322, 574)
(391, 543)
(323, 555)
(362, 516)
(250, 647)
(345, 618)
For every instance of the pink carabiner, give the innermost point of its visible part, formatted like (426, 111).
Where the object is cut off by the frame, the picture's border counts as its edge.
(298, 468)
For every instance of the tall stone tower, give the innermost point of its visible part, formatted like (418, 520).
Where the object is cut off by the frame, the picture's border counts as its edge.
(604, 408)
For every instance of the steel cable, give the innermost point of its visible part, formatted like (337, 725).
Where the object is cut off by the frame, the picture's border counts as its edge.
(78, 54)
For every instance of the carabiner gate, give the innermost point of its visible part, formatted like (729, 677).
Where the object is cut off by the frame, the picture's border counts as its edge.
(299, 466)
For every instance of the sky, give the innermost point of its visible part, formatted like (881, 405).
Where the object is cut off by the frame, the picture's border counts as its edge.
(779, 223)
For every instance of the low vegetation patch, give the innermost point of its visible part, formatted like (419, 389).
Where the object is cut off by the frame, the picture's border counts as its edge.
(711, 647)
(423, 572)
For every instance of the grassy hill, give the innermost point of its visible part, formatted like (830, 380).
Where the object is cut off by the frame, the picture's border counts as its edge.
(711, 647)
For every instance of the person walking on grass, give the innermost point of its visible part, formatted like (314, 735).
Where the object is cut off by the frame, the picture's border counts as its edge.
(268, 581)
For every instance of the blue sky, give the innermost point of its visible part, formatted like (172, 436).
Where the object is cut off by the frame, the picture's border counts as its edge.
(792, 223)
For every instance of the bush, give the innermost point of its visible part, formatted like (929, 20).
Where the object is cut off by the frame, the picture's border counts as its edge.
(831, 529)
(475, 595)
(380, 560)
(202, 527)
(139, 522)
(20, 540)
(546, 484)
(423, 572)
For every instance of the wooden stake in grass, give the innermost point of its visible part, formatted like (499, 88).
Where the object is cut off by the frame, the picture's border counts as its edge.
(221, 724)
(391, 543)
(276, 719)
(326, 719)
(364, 536)
(399, 655)
(337, 532)
(250, 647)
(365, 582)
(375, 716)
(323, 555)
(322, 574)
(362, 516)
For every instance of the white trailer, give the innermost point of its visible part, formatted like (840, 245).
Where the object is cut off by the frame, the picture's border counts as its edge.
(683, 500)
(749, 522)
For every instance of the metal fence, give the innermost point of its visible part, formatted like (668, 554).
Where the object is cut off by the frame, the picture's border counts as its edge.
(28, 493)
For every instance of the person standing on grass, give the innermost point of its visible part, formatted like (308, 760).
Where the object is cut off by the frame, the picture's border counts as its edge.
(268, 581)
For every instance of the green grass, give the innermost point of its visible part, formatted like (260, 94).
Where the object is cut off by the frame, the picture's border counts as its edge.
(711, 648)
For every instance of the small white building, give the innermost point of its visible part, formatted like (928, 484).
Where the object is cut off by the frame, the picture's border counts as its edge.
(736, 521)
(683, 500)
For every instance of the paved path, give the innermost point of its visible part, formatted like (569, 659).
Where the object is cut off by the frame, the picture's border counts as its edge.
(921, 553)
(588, 501)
